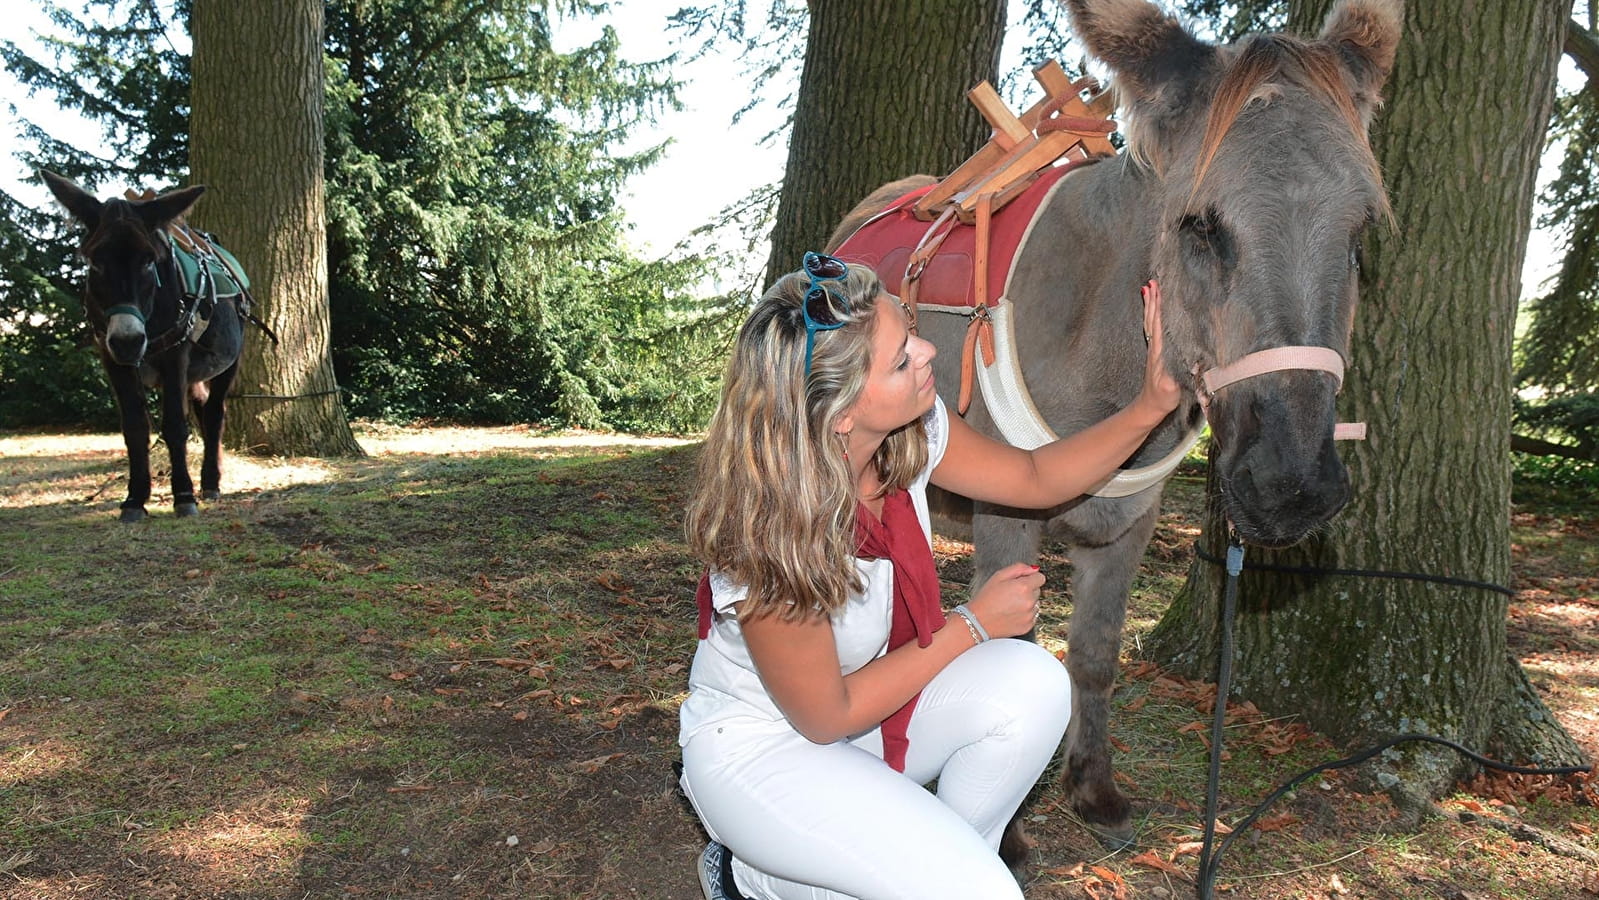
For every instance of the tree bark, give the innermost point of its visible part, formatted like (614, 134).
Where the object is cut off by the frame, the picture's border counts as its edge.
(1366, 658)
(256, 142)
(883, 95)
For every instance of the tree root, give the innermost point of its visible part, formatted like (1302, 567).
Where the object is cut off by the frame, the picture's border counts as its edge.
(1526, 834)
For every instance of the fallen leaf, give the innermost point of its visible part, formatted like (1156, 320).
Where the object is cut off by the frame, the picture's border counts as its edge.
(1152, 860)
(590, 766)
(1277, 823)
(400, 676)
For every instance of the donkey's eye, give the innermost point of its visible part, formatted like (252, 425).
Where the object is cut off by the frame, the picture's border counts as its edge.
(1205, 236)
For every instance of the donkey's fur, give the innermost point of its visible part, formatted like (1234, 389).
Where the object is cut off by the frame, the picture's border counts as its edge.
(131, 266)
(1246, 191)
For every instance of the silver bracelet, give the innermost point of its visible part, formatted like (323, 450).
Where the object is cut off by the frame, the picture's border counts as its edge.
(979, 635)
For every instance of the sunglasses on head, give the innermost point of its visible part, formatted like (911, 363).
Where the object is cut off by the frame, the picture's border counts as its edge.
(820, 314)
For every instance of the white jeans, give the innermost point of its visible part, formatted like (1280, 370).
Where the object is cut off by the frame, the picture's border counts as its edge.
(809, 821)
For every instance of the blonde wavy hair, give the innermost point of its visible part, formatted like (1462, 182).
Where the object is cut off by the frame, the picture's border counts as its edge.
(774, 505)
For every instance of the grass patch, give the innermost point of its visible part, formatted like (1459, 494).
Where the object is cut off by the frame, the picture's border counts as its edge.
(453, 668)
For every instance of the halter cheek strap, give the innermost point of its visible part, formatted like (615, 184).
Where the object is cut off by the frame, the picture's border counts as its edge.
(1276, 359)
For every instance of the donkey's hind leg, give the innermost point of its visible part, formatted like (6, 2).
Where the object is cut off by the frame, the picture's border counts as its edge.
(210, 401)
(1101, 580)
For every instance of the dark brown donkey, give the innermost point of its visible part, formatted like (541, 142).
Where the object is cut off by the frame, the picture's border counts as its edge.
(1245, 192)
(150, 334)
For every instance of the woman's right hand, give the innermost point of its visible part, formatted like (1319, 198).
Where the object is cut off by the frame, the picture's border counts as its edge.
(1007, 604)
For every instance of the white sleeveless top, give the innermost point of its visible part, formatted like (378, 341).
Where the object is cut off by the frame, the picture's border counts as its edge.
(723, 683)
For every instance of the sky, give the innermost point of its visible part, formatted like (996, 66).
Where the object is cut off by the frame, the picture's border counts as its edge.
(710, 163)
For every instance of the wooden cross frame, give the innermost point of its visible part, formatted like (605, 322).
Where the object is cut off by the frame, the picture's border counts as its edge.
(1070, 120)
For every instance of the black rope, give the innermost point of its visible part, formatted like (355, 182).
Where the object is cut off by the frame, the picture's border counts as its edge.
(1210, 862)
(1224, 676)
(1359, 573)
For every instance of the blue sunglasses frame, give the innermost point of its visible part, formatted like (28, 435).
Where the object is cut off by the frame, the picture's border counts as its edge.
(820, 268)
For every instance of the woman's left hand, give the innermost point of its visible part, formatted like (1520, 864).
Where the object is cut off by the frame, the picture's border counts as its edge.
(1161, 391)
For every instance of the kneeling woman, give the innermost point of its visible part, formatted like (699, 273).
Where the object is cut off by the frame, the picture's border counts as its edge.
(827, 690)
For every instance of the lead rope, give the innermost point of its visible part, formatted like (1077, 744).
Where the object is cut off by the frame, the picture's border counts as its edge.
(1210, 862)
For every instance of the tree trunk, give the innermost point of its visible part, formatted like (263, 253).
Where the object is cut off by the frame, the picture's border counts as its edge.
(883, 95)
(256, 142)
(1366, 658)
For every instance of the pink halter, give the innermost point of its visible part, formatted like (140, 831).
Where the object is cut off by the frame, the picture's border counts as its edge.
(1277, 359)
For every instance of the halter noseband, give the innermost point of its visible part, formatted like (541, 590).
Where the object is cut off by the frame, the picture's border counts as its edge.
(1276, 359)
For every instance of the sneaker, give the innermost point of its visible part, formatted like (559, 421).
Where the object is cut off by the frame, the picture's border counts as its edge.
(716, 873)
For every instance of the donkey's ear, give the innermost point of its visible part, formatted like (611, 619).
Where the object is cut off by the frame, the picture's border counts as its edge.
(169, 206)
(1150, 52)
(1365, 33)
(80, 204)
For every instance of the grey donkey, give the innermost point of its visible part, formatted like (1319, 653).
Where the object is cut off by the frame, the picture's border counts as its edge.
(1245, 192)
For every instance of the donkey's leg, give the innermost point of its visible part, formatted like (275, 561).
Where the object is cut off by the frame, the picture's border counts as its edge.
(135, 436)
(1102, 577)
(175, 431)
(1000, 540)
(210, 410)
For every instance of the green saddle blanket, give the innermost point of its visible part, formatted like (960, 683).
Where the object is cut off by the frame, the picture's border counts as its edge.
(224, 270)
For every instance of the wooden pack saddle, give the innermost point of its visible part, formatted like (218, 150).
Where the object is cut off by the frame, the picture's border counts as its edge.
(950, 247)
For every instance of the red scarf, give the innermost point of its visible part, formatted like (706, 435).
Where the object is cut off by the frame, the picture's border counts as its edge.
(918, 611)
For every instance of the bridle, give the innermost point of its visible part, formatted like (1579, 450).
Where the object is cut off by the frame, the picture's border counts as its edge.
(188, 309)
(1208, 382)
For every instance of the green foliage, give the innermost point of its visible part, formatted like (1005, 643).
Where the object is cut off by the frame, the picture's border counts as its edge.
(1560, 349)
(48, 374)
(1569, 418)
(478, 267)
(474, 240)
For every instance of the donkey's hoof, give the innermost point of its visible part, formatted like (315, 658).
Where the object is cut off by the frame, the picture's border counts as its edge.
(1015, 845)
(131, 514)
(210, 494)
(184, 510)
(1114, 838)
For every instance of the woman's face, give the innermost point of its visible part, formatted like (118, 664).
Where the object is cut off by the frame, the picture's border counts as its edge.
(899, 387)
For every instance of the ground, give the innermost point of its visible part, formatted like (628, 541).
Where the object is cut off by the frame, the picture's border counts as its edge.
(452, 669)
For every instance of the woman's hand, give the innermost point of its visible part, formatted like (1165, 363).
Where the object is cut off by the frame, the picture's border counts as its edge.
(1161, 392)
(1007, 604)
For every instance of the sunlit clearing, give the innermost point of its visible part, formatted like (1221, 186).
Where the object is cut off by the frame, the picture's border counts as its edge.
(246, 846)
(381, 440)
(37, 761)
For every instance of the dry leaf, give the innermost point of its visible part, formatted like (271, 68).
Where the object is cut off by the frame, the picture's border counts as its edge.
(590, 766)
(1151, 859)
(1277, 823)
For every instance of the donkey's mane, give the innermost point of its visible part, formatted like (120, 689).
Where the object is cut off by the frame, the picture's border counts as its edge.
(1265, 62)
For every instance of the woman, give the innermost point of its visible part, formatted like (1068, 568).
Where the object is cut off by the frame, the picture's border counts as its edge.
(826, 690)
